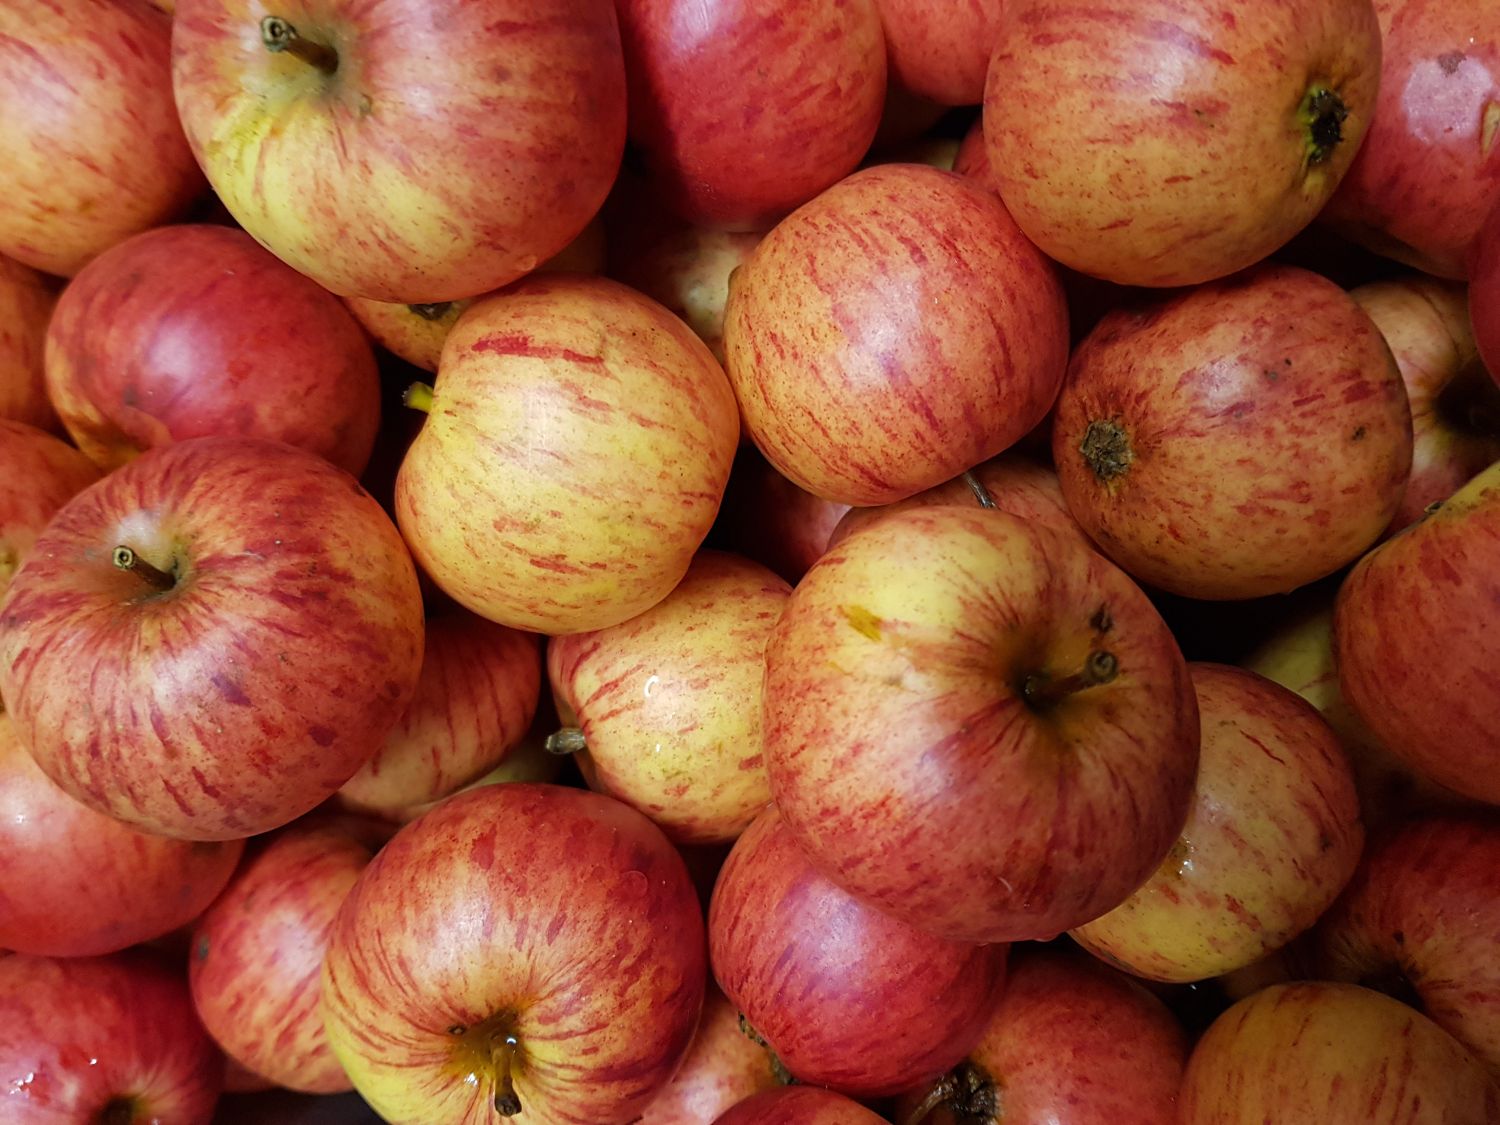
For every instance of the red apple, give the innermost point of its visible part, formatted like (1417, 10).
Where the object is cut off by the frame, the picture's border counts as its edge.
(798, 1105)
(1273, 836)
(1426, 690)
(941, 50)
(1156, 144)
(769, 519)
(26, 300)
(745, 109)
(90, 144)
(576, 451)
(520, 949)
(38, 475)
(414, 151)
(192, 331)
(257, 955)
(474, 703)
(1332, 1053)
(892, 333)
(1484, 292)
(845, 995)
(211, 640)
(1240, 439)
(724, 1066)
(74, 883)
(668, 703)
(1426, 175)
(1422, 918)
(104, 1041)
(973, 159)
(1069, 1041)
(953, 663)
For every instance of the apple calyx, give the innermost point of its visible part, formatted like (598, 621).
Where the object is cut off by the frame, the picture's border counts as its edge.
(1106, 448)
(976, 486)
(1470, 402)
(490, 1049)
(432, 312)
(969, 1093)
(418, 396)
(1041, 691)
(278, 36)
(126, 559)
(779, 1072)
(1322, 114)
(117, 1111)
(568, 740)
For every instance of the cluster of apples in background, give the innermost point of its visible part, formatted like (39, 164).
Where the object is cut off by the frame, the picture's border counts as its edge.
(943, 565)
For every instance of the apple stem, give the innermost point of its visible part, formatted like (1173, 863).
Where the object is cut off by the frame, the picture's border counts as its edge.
(1323, 113)
(941, 1092)
(126, 559)
(432, 312)
(502, 1058)
(569, 740)
(976, 486)
(1101, 667)
(418, 396)
(277, 35)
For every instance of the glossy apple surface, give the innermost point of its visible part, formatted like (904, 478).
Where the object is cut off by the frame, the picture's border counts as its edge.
(26, 300)
(724, 1066)
(941, 50)
(39, 473)
(798, 1105)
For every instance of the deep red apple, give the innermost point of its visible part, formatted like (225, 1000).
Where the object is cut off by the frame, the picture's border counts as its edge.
(103, 1041)
(26, 300)
(848, 997)
(941, 50)
(949, 666)
(1427, 172)
(767, 518)
(1484, 292)
(798, 1105)
(91, 151)
(891, 333)
(745, 109)
(724, 1066)
(257, 955)
(38, 475)
(194, 330)
(211, 640)
(1240, 439)
(520, 949)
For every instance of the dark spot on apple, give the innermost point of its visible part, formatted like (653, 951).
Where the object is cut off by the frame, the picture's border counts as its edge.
(323, 736)
(1106, 448)
(1398, 937)
(432, 312)
(1325, 841)
(1271, 375)
(1432, 508)
(1102, 621)
(1359, 434)
(1450, 61)
(1323, 113)
(117, 1111)
(200, 951)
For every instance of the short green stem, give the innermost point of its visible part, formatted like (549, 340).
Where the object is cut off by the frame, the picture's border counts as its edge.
(418, 396)
(568, 740)
(976, 486)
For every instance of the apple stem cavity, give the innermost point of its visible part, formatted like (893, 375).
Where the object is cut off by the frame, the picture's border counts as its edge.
(1106, 449)
(568, 740)
(418, 396)
(1322, 114)
(502, 1059)
(967, 1092)
(278, 36)
(155, 577)
(976, 486)
(1042, 691)
(117, 1111)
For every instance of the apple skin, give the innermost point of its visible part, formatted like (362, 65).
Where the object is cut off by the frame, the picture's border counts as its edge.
(91, 145)
(767, 518)
(669, 701)
(40, 473)
(1273, 837)
(1157, 145)
(1484, 292)
(1332, 1053)
(1241, 439)
(1427, 694)
(745, 110)
(1423, 911)
(474, 702)
(957, 620)
(845, 995)
(26, 300)
(257, 955)
(194, 330)
(1427, 174)
(553, 915)
(1069, 1040)
(1455, 405)
(941, 50)
(798, 1105)
(103, 1039)
(891, 333)
(606, 431)
(75, 883)
(456, 146)
(293, 633)
(724, 1066)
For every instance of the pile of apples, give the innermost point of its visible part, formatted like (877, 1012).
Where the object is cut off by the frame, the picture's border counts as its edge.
(758, 562)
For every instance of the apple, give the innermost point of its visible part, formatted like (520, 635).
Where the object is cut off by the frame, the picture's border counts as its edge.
(474, 702)
(39, 473)
(212, 639)
(520, 949)
(939, 152)
(1153, 144)
(1422, 919)
(767, 518)
(1069, 1040)
(742, 110)
(1243, 438)
(798, 1105)
(74, 883)
(417, 151)
(941, 50)
(950, 666)
(724, 1066)
(845, 995)
(26, 300)
(194, 330)
(91, 147)
(1273, 836)
(1484, 292)
(103, 1040)
(1426, 176)
(1338, 1052)
(667, 704)
(1427, 693)
(891, 333)
(576, 450)
(973, 158)
(257, 955)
